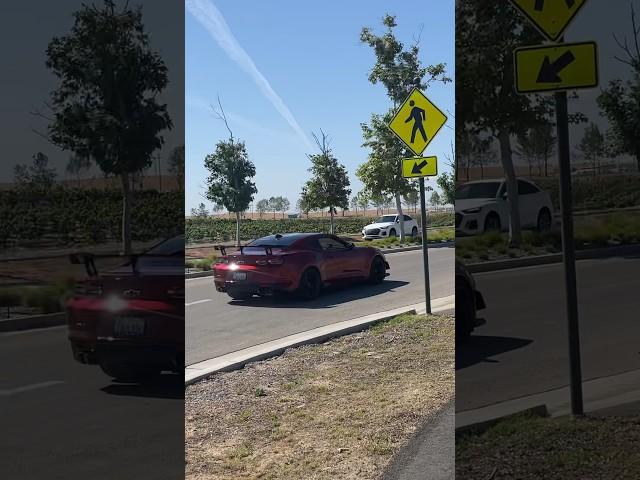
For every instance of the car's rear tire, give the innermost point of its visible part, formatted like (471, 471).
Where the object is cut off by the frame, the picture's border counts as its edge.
(377, 271)
(465, 311)
(239, 295)
(310, 285)
(492, 223)
(392, 233)
(414, 232)
(129, 373)
(544, 220)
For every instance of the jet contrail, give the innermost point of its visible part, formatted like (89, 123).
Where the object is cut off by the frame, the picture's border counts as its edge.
(210, 17)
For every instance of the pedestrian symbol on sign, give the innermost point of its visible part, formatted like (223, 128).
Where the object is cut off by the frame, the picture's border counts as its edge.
(418, 116)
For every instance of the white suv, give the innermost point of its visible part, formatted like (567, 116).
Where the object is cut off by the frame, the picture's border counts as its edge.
(389, 226)
(482, 206)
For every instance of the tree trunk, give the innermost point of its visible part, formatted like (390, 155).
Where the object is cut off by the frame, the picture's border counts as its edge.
(333, 229)
(237, 229)
(126, 214)
(515, 232)
(400, 216)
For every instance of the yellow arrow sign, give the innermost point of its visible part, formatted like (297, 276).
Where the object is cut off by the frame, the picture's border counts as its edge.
(419, 167)
(551, 17)
(417, 121)
(564, 66)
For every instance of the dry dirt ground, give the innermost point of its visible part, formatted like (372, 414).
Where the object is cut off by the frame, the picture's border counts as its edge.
(336, 410)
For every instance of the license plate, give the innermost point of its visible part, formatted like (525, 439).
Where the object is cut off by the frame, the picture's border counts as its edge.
(239, 276)
(128, 327)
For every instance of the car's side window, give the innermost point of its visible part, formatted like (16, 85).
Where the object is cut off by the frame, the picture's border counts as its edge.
(407, 218)
(331, 244)
(525, 188)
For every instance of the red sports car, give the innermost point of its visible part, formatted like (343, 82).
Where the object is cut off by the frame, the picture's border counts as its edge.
(296, 262)
(130, 319)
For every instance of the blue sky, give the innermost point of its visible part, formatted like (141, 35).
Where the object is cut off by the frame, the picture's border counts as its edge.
(286, 69)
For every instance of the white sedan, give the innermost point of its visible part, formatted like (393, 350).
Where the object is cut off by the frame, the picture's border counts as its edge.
(389, 226)
(482, 206)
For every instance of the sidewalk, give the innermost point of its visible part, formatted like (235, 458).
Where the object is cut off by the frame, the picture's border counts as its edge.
(616, 393)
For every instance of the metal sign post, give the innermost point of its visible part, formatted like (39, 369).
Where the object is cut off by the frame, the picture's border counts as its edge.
(425, 251)
(559, 67)
(568, 252)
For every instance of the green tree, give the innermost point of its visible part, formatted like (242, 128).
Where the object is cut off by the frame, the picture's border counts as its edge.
(262, 207)
(105, 106)
(435, 199)
(329, 183)
(230, 181)
(447, 184)
(38, 176)
(592, 146)
(620, 101)
(77, 164)
(363, 201)
(487, 32)
(399, 69)
(274, 205)
(303, 206)
(200, 212)
(412, 199)
(176, 165)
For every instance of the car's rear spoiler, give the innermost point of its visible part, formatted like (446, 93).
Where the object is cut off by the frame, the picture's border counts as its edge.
(223, 249)
(88, 260)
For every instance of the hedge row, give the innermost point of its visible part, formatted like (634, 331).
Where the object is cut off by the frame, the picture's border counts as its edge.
(216, 229)
(86, 216)
(595, 193)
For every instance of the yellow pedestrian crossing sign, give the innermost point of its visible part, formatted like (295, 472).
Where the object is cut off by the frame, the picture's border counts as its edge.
(417, 121)
(551, 17)
(417, 167)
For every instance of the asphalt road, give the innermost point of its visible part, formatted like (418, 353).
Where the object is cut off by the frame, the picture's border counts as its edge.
(216, 325)
(523, 349)
(63, 420)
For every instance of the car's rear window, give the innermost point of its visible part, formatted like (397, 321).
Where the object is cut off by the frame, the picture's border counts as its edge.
(276, 241)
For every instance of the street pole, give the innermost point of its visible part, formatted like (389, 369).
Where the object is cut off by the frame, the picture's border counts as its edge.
(425, 251)
(568, 252)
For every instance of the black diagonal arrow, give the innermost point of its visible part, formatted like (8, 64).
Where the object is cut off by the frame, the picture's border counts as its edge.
(417, 168)
(549, 72)
(539, 6)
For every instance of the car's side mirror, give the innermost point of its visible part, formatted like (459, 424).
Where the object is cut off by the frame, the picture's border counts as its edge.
(505, 195)
(350, 245)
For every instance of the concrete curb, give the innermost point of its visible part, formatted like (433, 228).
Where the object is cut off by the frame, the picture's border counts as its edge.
(552, 258)
(209, 273)
(481, 427)
(35, 321)
(237, 360)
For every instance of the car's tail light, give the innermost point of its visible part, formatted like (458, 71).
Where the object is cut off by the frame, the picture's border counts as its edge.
(88, 289)
(271, 261)
(176, 292)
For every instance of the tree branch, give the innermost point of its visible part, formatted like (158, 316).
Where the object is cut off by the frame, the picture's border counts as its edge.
(222, 116)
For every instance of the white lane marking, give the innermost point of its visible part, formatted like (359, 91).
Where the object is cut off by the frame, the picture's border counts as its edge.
(27, 388)
(198, 301)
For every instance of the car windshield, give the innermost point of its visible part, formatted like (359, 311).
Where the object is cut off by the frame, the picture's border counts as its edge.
(386, 219)
(477, 190)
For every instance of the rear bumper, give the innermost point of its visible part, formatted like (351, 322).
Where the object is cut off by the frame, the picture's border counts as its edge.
(252, 287)
(168, 356)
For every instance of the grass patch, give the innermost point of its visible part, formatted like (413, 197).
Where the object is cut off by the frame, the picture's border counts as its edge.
(436, 235)
(336, 410)
(530, 447)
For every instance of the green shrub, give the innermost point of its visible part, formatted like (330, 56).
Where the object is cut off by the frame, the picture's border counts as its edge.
(223, 229)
